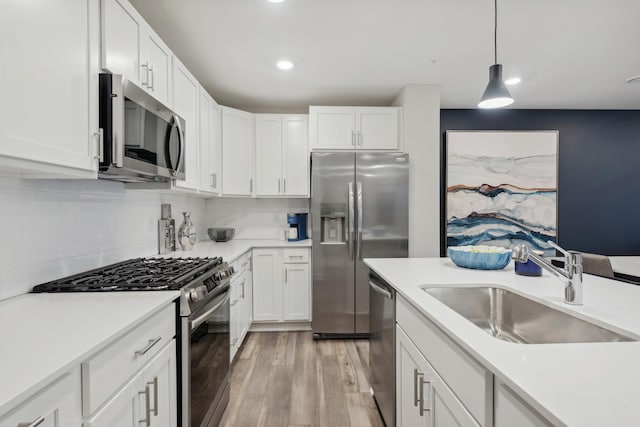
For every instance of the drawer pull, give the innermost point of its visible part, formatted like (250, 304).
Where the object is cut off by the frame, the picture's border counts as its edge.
(415, 386)
(33, 423)
(295, 256)
(147, 401)
(422, 406)
(154, 383)
(150, 344)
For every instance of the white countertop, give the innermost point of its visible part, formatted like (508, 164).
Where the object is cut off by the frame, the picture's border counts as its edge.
(629, 265)
(594, 384)
(43, 336)
(231, 250)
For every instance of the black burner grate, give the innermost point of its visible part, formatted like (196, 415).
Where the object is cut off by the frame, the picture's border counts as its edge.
(134, 275)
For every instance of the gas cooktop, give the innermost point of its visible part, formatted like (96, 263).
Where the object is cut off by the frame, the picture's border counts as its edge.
(135, 275)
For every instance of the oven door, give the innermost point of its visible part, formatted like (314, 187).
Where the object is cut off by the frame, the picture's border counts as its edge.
(205, 358)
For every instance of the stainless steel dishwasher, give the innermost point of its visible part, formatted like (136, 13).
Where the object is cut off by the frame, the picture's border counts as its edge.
(382, 347)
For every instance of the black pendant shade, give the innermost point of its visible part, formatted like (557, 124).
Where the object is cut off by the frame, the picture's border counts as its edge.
(496, 95)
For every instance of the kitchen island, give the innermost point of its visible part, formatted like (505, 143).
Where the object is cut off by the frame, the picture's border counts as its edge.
(586, 384)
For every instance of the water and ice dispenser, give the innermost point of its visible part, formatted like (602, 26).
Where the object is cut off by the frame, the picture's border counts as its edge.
(333, 226)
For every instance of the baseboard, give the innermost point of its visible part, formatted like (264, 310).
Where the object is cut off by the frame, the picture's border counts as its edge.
(279, 326)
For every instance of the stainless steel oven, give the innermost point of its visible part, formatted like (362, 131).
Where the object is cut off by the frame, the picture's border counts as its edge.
(142, 139)
(205, 361)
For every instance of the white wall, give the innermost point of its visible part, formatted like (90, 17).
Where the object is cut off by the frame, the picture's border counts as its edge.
(51, 229)
(253, 218)
(421, 116)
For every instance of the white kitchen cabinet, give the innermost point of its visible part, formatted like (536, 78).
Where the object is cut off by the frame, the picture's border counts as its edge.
(149, 398)
(130, 47)
(240, 304)
(423, 399)
(354, 128)
(282, 155)
(57, 405)
(511, 410)
(186, 102)
(49, 87)
(469, 381)
(237, 158)
(209, 144)
(281, 290)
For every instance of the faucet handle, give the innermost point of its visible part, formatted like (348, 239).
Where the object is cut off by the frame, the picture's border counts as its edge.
(559, 249)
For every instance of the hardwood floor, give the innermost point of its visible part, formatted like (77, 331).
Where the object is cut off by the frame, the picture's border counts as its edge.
(285, 379)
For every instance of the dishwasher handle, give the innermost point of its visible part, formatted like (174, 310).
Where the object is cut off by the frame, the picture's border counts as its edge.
(380, 290)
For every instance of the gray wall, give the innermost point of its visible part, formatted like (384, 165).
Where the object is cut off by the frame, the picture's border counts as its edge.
(599, 171)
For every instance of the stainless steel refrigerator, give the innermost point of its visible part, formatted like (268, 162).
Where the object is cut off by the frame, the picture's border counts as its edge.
(359, 209)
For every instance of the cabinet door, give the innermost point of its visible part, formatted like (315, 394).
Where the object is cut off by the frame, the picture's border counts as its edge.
(511, 410)
(268, 154)
(295, 156)
(378, 128)
(160, 378)
(296, 292)
(237, 161)
(50, 64)
(267, 285)
(209, 143)
(332, 128)
(58, 405)
(422, 397)
(120, 38)
(235, 305)
(186, 103)
(126, 409)
(155, 65)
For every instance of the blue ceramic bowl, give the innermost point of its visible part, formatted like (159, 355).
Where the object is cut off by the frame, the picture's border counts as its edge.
(480, 257)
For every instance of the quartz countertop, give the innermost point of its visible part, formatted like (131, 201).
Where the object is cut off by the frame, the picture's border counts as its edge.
(46, 335)
(590, 384)
(628, 265)
(233, 249)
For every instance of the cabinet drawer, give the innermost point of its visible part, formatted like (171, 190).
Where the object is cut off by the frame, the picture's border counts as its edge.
(57, 405)
(295, 255)
(472, 384)
(107, 371)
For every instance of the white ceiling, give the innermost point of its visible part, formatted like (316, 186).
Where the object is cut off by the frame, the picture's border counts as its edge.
(570, 53)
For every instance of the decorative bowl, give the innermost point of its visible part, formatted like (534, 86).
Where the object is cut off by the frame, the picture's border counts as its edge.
(480, 257)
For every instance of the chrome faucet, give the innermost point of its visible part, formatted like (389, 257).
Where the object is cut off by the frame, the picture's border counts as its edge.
(571, 274)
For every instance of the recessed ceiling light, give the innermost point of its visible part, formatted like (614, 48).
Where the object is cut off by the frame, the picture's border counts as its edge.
(513, 81)
(276, 1)
(285, 64)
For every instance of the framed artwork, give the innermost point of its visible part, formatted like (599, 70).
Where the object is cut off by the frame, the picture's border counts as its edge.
(502, 188)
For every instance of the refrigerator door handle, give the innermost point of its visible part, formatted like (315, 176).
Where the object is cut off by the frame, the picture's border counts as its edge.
(359, 236)
(350, 225)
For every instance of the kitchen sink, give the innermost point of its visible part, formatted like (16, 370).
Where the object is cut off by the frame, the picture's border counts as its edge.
(512, 317)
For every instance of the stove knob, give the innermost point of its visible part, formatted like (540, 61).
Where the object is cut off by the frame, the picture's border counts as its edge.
(197, 294)
(232, 270)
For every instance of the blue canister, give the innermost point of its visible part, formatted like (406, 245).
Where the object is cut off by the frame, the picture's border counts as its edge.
(529, 268)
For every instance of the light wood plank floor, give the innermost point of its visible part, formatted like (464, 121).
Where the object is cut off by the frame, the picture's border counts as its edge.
(285, 379)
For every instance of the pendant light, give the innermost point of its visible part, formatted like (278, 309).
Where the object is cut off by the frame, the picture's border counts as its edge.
(496, 95)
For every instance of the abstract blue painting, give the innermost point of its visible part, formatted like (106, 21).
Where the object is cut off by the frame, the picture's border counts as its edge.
(502, 188)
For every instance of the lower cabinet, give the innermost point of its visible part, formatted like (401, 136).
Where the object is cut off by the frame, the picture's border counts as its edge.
(281, 285)
(240, 304)
(423, 398)
(57, 405)
(149, 398)
(511, 410)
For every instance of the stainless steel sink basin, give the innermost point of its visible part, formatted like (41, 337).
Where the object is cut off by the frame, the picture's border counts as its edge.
(514, 318)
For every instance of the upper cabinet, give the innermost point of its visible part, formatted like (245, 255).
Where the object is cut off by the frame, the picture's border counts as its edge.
(210, 134)
(355, 128)
(282, 155)
(237, 152)
(49, 108)
(131, 48)
(186, 102)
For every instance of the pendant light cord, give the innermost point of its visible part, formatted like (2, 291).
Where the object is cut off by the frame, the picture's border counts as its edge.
(495, 32)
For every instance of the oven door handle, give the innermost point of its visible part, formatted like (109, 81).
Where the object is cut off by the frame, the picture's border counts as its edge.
(195, 323)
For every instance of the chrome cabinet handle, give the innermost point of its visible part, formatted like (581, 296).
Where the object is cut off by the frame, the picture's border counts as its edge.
(150, 85)
(242, 284)
(295, 256)
(353, 138)
(100, 152)
(213, 180)
(154, 383)
(415, 386)
(147, 401)
(359, 139)
(286, 275)
(278, 185)
(422, 405)
(250, 185)
(284, 185)
(150, 344)
(145, 67)
(33, 423)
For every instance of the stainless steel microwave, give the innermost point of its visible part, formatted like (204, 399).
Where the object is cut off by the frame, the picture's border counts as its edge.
(142, 140)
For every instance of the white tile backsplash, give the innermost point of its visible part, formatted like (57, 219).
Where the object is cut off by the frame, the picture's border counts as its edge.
(54, 228)
(253, 218)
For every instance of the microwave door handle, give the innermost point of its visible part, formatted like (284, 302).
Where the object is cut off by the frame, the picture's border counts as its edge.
(181, 147)
(117, 120)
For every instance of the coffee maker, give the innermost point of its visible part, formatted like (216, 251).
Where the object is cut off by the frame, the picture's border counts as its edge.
(297, 226)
